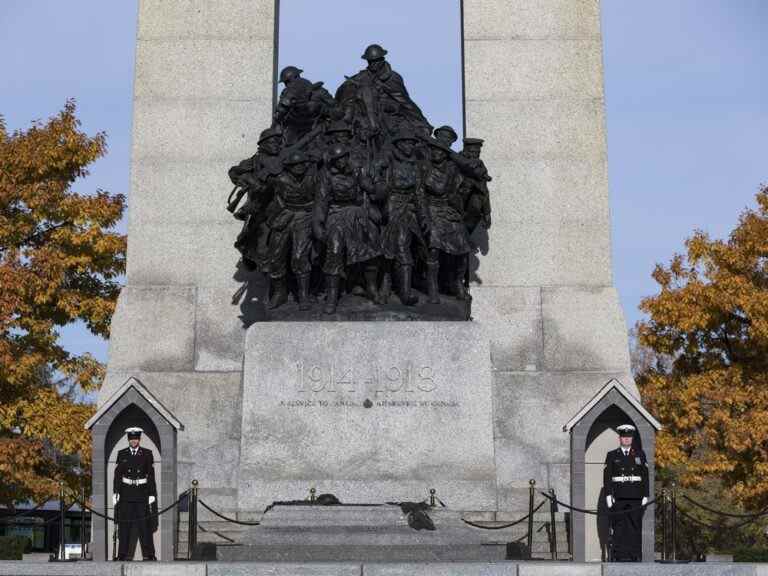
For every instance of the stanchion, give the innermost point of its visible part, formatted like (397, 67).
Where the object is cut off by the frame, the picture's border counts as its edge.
(669, 515)
(82, 522)
(664, 533)
(553, 536)
(62, 543)
(312, 495)
(531, 494)
(674, 522)
(192, 515)
(432, 493)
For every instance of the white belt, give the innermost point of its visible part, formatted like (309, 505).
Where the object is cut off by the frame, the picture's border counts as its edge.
(627, 479)
(137, 482)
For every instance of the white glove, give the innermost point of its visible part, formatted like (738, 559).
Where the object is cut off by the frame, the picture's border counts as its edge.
(609, 501)
(644, 501)
(151, 500)
(115, 499)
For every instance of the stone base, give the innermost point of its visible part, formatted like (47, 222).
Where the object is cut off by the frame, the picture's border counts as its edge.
(13, 568)
(359, 533)
(369, 411)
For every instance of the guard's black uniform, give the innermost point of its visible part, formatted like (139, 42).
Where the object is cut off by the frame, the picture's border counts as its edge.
(625, 478)
(134, 482)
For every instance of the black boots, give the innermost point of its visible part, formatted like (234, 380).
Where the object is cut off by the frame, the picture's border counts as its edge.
(303, 295)
(407, 296)
(279, 292)
(432, 294)
(331, 293)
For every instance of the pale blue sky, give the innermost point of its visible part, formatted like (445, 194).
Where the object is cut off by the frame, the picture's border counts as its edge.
(686, 97)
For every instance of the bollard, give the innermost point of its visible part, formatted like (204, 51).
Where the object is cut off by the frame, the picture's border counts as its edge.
(432, 493)
(553, 535)
(531, 494)
(664, 533)
(192, 519)
(674, 522)
(62, 547)
(82, 522)
(312, 494)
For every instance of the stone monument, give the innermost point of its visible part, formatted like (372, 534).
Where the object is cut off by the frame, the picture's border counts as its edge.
(473, 408)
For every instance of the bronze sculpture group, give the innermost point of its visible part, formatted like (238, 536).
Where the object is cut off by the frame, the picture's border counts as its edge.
(359, 186)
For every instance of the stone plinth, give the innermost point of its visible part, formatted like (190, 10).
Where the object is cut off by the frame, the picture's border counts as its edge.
(361, 533)
(368, 411)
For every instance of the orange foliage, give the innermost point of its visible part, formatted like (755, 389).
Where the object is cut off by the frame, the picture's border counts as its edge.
(60, 262)
(711, 319)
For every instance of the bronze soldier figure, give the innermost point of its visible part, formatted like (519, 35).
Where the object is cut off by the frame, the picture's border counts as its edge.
(625, 482)
(442, 219)
(301, 105)
(290, 229)
(134, 491)
(341, 220)
(474, 189)
(401, 235)
(252, 176)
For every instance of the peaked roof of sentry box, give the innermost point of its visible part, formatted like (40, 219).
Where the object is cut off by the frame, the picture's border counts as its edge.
(134, 383)
(612, 384)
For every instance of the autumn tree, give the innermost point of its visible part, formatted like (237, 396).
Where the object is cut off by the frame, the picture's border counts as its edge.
(60, 262)
(710, 320)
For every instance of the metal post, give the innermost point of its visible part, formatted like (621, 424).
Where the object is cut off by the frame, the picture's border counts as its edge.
(674, 522)
(531, 494)
(192, 515)
(432, 493)
(664, 524)
(553, 536)
(312, 494)
(62, 548)
(82, 520)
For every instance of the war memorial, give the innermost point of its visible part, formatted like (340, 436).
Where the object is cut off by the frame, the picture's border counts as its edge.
(378, 315)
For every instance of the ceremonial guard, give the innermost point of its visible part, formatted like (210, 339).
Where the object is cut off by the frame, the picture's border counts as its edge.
(134, 495)
(625, 482)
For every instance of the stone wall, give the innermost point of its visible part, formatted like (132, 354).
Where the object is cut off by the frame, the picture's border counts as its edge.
(543, 293)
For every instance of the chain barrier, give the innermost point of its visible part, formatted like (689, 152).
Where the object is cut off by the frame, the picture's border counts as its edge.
(232, 520)
(714, 526)
(597, 512)
(147, 517)
(23, 513)
(219, 534)
(516, 522)
(754, 515)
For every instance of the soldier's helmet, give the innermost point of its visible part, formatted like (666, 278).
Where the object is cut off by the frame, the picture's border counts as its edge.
(338, 126)
(289, 73)
(374, 52)
(448, 130)
(337, 151)
(473, 142)
(273, 132)
(296, 157)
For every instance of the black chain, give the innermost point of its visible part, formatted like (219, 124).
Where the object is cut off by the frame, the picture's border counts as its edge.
(596, 512)
(518, 521)
(212, 511)
(719, 513)
(147, 517)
